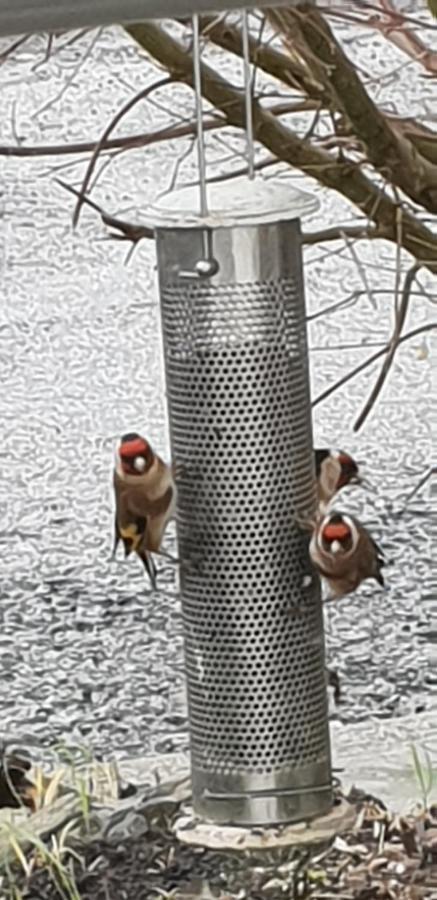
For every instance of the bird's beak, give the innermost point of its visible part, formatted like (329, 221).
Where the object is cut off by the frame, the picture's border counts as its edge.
(363, 482)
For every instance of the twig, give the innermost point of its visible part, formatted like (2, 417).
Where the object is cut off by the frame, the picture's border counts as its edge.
(344, 176)
(337, 233)
(177, 166)
(169, 133)
(71, 77)
(350, 300)
(392, 347)
(126, 143)
(368, 362)
(360, 267)
(390, 153)
(9, 50)
(419, 485)
(142, 95)
(51, 51)
(129, 231)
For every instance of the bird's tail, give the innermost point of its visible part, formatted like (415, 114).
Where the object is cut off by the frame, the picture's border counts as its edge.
(149, 565)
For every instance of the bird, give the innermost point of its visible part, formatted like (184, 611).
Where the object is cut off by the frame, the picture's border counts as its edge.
(145, 499)
(15, 789)
(334, 470)
(344, 553)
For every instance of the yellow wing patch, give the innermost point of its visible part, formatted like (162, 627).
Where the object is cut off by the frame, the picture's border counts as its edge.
(130, 533)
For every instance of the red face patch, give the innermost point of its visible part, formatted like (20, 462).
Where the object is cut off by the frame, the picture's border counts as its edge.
(130, 449)
(338, 532)
(346, 460)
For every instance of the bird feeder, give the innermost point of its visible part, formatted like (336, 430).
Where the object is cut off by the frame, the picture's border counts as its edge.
(235, 347)
(236, 362)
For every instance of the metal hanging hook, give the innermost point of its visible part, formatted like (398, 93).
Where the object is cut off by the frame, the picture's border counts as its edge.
(199, 116)
(248, 95)
(206, 266)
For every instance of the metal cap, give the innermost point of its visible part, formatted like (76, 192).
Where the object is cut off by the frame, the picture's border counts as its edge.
(232, 203)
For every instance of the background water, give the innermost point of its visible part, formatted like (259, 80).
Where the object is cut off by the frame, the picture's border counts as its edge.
(86, 653)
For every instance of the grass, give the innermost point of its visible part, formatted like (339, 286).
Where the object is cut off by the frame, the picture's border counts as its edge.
(24, 852)
(425, 776)
(52, 850)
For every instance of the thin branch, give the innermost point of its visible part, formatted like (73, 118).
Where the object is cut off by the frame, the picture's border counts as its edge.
(361, 270)
(393, 26)
(129, 231)
(142, 95)
(420, 484)
(341, 175)
(70, 78)
(339, 232)
(387, 151)
(169, 133)
(368, 362)
(281, 66)
(14, 46)
(392, 347)
(127, 143)
(350, 300)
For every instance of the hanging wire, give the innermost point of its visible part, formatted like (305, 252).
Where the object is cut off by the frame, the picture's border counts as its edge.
(248, 95)
(199, 116)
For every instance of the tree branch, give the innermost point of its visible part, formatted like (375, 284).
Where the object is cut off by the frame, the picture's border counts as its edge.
(171, 132)
(340, 175)
(390, 154)
(142, 95)
(393, 26)
(368, 362)
(291, 72)
(129, 231)
(392, 347)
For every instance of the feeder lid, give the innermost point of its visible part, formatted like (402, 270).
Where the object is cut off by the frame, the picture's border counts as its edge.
(232, 203)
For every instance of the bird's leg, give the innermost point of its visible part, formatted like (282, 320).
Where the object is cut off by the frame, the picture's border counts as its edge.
(117, 538)
(149, 565)
(333, 681)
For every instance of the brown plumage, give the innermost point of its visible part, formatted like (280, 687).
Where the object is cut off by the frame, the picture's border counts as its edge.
(334, 470)
(145, 496)
(344, 553)
(15, 789)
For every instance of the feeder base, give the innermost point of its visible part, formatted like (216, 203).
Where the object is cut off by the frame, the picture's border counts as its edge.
(195, 831)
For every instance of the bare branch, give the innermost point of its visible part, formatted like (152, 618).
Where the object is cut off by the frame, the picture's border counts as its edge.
(142, 95)
(14, 46)
(291, 72)
(419, 485)
(392, 347)
(129, 231)
(393, 25)
(338, 174)
(71, 77)
(368, 362)
(123, 143)
(393, 156)
(362, 272)
(169, 133)
(339, 232)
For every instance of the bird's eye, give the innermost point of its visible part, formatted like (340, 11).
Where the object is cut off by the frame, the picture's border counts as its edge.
(139, 463)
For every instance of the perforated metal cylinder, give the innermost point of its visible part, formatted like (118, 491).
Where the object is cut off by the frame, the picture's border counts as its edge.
(238, 395)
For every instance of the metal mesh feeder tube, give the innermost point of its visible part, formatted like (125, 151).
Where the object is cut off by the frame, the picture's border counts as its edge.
(235, 349)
